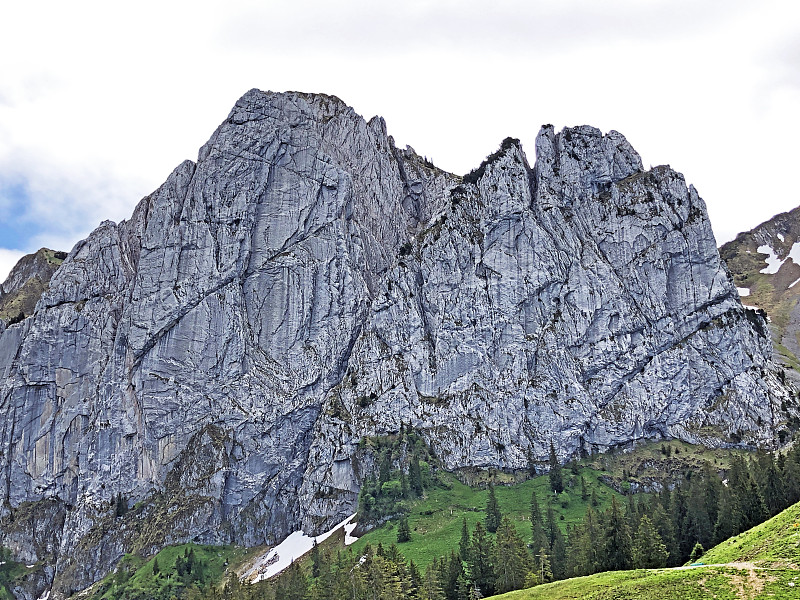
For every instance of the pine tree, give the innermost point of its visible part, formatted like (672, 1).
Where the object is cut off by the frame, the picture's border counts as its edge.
(551, 527)
(556, 479)
(315, 559)
(698, 525)
(464, 542)
(493, 514)
(729, 516)
(296, 583)
(649, 551)
(545, 574)
(584, 491)
(432, 584)
(403, 531)
(583, 541)
(697, 552)
(665, 528)
(156, 567)
(774, 492)
(479, 563)
(617, 539)
(558, 555)
(511, 559)
(455, 570)
(538, 536)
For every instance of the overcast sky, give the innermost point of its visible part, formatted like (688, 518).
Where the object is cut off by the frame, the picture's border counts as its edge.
(99, 101)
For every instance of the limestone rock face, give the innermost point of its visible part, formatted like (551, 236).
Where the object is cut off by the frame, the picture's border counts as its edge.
(206, 369)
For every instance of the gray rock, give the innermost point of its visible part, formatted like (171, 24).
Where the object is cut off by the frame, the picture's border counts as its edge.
(216, 359)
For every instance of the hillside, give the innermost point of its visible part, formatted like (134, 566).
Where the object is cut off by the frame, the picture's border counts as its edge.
(765, 264)
(702, 583)
(759, 563)
(774, 544)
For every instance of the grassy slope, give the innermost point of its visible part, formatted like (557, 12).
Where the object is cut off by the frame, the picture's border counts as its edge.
(774, 543)
(670, 584)
(761, 563)
(143, 584)
(435, 534)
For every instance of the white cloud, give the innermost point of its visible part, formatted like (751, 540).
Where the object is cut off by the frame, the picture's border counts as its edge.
(100, 101)
(8, 258)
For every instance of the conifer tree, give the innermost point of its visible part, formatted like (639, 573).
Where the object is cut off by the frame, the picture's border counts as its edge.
(156, 567)
(296, 583)
(403, 531)
(432, 584)
(649, 551)
(774, 491)
(511, 559)
(558, 555)
(617, 539)
(464, 542)
(729, 516)
(584, 491)
(315, 559)
(493, 514)
(538, 536)
(556, 479)
(455, 571)
(481, 569)
(697, 552)
(544, 573)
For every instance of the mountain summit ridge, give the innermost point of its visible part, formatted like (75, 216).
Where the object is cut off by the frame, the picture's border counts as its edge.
(216, 359)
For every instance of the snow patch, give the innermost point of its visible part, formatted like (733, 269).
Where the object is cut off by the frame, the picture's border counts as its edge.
(781, 238)
(349, 538)
(292, 548)
(773, 262)
(794, 253)
(743, 292)
(791, 285)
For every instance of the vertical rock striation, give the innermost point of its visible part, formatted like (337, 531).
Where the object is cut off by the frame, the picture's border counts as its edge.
(214, 361)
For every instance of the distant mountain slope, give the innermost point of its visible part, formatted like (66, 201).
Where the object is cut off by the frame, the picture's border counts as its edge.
(765, 264)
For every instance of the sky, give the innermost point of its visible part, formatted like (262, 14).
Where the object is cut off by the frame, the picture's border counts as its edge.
(99, 101)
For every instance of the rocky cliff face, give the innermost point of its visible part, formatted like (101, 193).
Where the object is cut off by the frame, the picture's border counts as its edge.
(214, 361)
(765, 263)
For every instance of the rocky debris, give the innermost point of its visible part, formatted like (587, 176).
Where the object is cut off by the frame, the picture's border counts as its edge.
(216, 359)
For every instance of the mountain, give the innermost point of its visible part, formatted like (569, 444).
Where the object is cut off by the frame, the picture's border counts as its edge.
(206, 370)
(765, 264)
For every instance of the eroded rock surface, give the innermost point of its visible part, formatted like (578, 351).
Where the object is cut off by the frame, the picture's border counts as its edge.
(215, 360)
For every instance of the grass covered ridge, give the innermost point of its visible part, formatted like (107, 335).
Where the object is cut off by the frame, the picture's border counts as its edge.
(774, 543)
(702, 583)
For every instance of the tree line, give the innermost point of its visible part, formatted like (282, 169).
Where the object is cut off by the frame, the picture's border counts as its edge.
(641, 531)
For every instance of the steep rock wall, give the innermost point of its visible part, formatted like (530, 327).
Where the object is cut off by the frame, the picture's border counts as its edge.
(216, 359)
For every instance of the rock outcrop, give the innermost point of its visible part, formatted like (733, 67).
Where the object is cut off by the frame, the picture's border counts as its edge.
(206, 369)
(26, 283)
